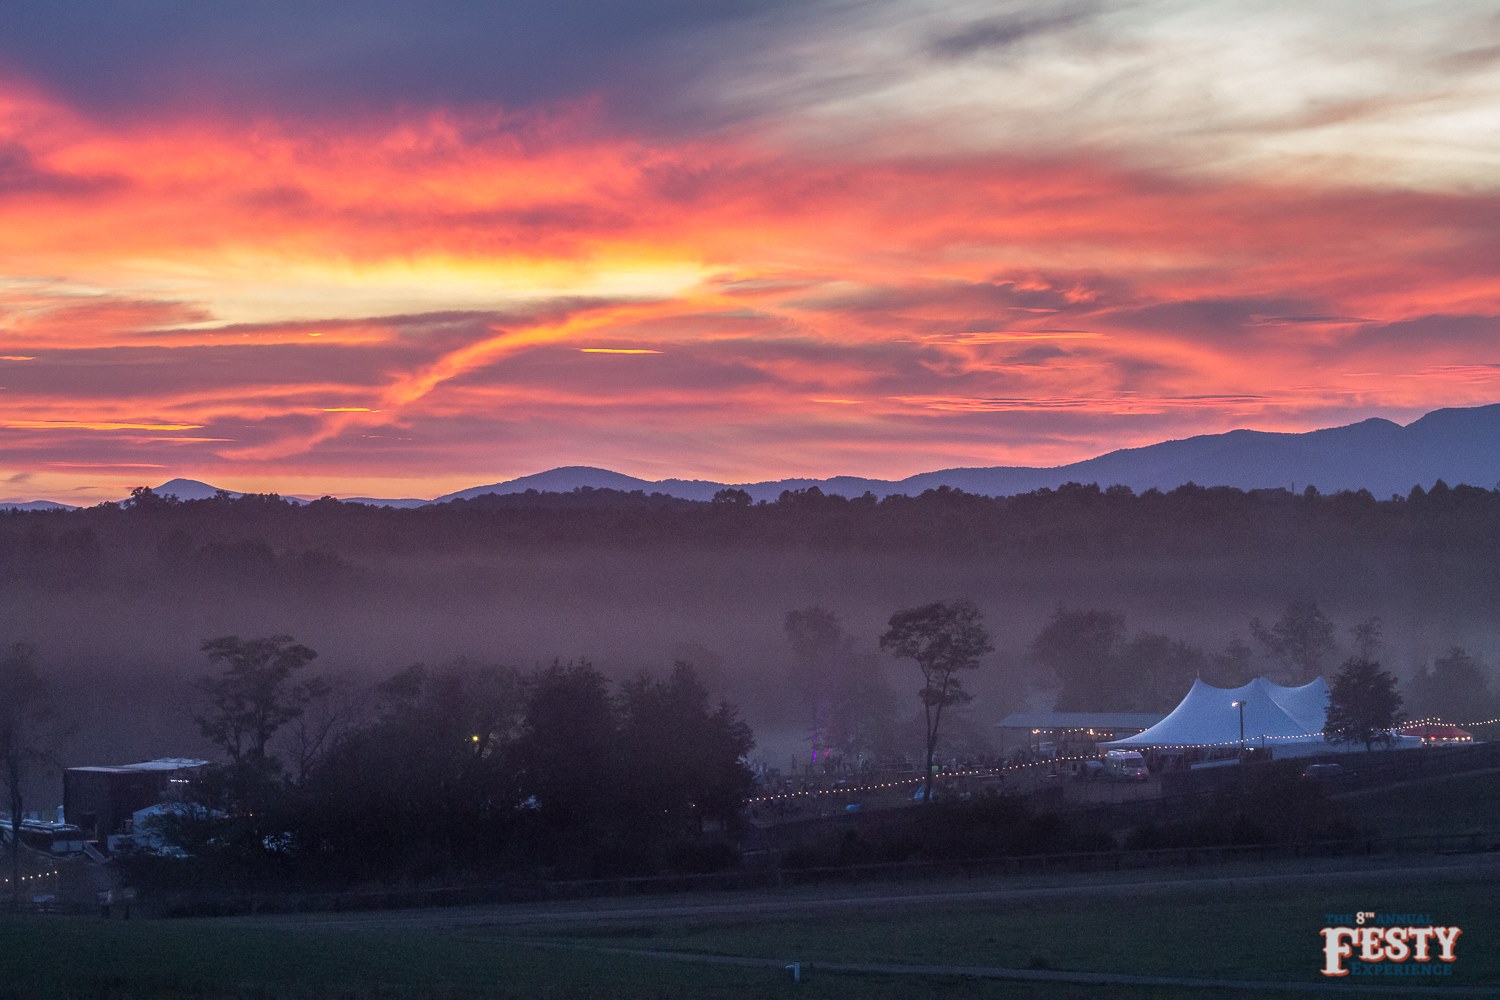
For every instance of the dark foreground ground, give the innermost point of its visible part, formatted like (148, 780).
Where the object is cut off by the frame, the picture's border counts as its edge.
(1230, 931)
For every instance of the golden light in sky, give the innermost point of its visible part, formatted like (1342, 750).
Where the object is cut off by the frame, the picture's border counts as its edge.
(869, 239)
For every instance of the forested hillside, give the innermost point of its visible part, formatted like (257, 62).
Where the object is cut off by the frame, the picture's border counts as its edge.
(121, 598)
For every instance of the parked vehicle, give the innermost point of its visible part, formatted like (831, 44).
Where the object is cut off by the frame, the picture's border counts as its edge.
(1322, 771)
(1126, 765)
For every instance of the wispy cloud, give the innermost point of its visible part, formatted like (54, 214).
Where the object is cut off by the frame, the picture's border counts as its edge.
(93, 425)
(742, 240)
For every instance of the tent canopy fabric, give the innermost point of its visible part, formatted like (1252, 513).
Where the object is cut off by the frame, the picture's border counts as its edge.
(1208, 715)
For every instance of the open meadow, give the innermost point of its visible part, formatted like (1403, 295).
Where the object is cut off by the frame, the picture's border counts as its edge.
(1445, 804)
(1201, 932)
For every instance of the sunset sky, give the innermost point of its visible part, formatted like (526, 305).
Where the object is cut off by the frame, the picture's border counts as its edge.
(402, 248)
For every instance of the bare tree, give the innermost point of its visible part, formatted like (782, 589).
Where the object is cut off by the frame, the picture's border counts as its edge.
(325, 719)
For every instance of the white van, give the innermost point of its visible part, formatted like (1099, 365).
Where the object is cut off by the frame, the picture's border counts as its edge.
(1126, 765)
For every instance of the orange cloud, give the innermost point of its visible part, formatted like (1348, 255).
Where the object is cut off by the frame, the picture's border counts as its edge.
(308, 295)
(93, 425)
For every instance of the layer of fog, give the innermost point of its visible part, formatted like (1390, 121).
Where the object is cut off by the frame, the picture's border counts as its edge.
(123, 647)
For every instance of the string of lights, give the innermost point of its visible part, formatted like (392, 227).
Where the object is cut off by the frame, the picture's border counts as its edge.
(1248, 741)
(812, 793)
(1263, 737)
(1437, 721)
(941, 775)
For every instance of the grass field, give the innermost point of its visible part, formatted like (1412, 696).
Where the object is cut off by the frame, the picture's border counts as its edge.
(1455, 803)
(74, 957)
(1266, 933)
(1260, 930)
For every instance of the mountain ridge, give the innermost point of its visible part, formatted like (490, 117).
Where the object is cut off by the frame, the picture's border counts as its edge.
(1455, 444)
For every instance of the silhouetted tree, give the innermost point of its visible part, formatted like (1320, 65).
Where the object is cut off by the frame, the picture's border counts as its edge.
(475, 766)
(686, 758)
(1455, 688)
(1363, 704)
(144, 498)
(314, 732)
(429, 782)
(846, 696)
(1367, 637)
(254, 696)
(1233, 666)
(1157, 671)
(1083, 649)
(1300, 640)
(567, 756)
(24, 710)
(944, 638)
(821, 653)
(248, 702)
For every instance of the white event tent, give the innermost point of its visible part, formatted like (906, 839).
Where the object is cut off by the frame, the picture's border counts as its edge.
(1289, 720)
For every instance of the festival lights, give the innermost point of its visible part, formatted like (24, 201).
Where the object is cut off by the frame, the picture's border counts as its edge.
(1438, 721)
(981, 772)
(994, 771)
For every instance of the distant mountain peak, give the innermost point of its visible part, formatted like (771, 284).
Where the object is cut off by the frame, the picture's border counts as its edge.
(189, 489)
(1456, 444)
(560, 480)
(1459, 445)
(35, 505)
(585, 470)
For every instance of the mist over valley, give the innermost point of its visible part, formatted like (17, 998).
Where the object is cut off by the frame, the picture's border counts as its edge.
(119, 601)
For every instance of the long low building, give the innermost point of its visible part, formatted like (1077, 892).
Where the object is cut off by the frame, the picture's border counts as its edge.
(1065, 733)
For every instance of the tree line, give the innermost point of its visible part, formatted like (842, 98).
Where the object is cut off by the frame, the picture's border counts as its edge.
(460, 769)
(1092, 662)
(472, 767)
(254, 534)
(464, 768)
(1098, 665)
